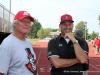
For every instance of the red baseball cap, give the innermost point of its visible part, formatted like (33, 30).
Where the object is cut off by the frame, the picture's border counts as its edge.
(66, 17)
(22, 14)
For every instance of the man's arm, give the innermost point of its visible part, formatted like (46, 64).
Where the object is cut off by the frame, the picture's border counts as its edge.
(80, 54)
(61, 63)
(1, 73)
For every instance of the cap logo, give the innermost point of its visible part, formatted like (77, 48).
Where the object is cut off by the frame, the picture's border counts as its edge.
(66, 17)
(25, 13)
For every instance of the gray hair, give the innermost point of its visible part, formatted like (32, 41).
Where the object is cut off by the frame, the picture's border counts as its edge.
(15, 21)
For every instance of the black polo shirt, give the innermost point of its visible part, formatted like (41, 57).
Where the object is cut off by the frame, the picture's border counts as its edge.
(59, 47)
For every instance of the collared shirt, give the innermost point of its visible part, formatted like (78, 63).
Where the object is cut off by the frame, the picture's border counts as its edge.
(59, 47)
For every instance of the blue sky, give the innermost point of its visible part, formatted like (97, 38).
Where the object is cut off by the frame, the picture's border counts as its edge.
(48, 12)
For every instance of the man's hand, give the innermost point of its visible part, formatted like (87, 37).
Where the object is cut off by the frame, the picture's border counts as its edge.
(70, 36)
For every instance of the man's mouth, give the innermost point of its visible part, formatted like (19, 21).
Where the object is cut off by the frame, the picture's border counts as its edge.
(67, 30)
(25, 28)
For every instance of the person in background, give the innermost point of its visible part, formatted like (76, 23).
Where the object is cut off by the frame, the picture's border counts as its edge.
(92, 41)
(79, 34)
(87, 40)
(66, 52)
(16, 53)
(94, 47)
(97, 44)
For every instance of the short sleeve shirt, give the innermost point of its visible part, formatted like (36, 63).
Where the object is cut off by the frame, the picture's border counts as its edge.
(59, 47)
(14, 58)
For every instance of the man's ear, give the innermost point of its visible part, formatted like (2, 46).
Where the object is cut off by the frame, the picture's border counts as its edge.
(59, 26)
(14, 24)
(76, 35)
(73, 25)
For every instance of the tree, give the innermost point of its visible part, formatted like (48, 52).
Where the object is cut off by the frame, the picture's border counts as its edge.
(42, 33)
(93, 35)
(59, 30)
(34, 29)
(47, 31)
(81, 26)
(54, 30)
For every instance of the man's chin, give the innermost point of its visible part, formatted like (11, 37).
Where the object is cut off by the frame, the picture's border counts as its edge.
(25, 33)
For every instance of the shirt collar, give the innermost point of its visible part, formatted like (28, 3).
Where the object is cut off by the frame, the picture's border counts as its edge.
(60, 37)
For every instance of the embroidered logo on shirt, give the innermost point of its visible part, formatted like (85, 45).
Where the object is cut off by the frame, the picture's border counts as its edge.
(60, 45)
(32, 63)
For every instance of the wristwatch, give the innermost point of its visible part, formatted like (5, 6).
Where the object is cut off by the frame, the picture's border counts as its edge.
(76, 41)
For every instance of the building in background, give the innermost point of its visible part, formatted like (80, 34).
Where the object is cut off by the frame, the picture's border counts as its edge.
(6, 20)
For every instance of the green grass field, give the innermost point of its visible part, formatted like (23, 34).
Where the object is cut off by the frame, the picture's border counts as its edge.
(33, 41)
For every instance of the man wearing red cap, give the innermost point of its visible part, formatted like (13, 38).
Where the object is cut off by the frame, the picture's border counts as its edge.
(66, 52)
(16, 53)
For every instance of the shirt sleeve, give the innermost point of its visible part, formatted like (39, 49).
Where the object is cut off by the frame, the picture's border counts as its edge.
(52, 49)
(4, 59)
(84, 46)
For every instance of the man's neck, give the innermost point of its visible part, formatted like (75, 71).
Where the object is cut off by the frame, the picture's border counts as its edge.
(19, 36)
